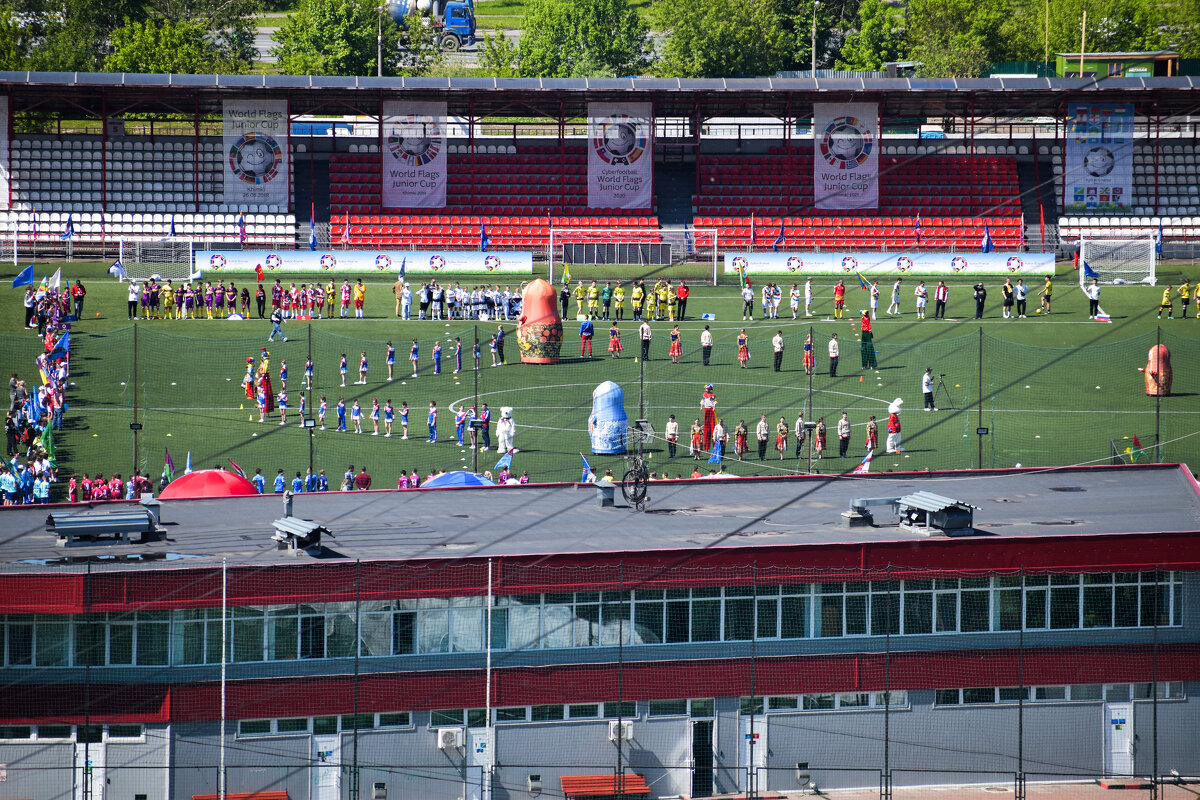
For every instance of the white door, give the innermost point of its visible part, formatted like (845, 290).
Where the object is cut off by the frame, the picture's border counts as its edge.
(1118, 750)
(480, 757)
(327, 767)
(752, 754)
(89, 771)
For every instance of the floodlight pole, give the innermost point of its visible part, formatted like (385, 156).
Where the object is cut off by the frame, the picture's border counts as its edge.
(816, 5)
(475, 437)
(379, 42)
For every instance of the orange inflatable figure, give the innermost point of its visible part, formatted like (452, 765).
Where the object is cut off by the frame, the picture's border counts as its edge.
(539, 329)
(1158, 371)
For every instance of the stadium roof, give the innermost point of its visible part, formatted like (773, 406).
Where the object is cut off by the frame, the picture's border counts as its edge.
(98, 94)
(682, 517)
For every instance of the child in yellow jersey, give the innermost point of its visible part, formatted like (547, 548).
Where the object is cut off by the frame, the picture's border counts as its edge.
(638, 295)
(1185, 297)
(168, 301)
(580, 299)
(669, 299)
(1196, 298)
(619, 301)
(1167, 304)
(593, 298)
(330, 294)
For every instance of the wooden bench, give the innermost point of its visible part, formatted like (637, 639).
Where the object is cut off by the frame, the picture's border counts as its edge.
(594, 787)
(264, 795)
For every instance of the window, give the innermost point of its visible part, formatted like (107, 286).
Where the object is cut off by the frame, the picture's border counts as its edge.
(626, 709)
(551, 713)
(54, 732)
(325, 725)
(817, 702)
(666, 708)
(124, 731)
(16, 732)
(1013, 694)
(398, 719)
(298, 725)
(782, 703)
(516, 714)
(854, 700)
(702, 708)
(1050, 693)
(584, 711)
(751, 706)
(254, 727)
(1086, 691)
(358, 721)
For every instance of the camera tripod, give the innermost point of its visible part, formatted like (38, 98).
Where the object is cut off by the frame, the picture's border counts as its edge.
(941, 388)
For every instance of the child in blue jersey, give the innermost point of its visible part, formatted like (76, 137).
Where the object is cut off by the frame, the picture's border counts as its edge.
(282, 401)
(460, 422)
(341, 412)
(391, 359)
(362, 368)
(283, 374)
(280, 483)
(475, 350)
(457, 355)
(388, 415)
(342, 369)
(414, 355)
(308, 373)
(303, 408)
(437, 358)
(375, 415)
(356, 416)
(432, 422)
(259, 481)
(324, 407)
(403, 419)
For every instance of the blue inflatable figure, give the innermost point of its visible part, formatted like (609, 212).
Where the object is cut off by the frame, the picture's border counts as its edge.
(608, 423)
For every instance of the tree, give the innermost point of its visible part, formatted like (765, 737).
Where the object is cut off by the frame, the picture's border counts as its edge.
(955, 38)
(710, 38)
(499, 56)
(338, 37)
(878, 40)
(166, 47)
(581, 38)
(229, 25)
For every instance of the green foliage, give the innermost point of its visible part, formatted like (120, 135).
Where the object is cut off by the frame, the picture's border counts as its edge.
(580, 38)
(165, 47)
(878, 40)
(228, 25)
(955, 38)
(499, 56)
(338, 37)
(836, 21)
(708, 38)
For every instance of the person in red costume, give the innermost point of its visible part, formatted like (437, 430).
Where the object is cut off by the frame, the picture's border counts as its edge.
(708, 404)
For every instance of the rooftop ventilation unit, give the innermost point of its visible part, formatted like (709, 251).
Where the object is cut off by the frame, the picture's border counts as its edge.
(928, 514)
(88, 527)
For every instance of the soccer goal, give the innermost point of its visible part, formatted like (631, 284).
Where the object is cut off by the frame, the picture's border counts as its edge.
(1117, 261)
(647, 250)
(170, 260)
(8, 248)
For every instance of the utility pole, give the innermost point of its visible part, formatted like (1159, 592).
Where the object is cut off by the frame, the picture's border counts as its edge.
(379, 41)
(1082, 41)
(816, 5)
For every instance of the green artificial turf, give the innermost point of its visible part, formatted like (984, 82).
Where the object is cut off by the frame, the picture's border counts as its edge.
(1055, 390)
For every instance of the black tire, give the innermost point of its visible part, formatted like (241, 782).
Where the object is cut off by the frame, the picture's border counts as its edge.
(450, 42)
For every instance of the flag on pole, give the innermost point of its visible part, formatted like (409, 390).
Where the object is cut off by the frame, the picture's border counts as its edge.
(61, 349)
(778, 239)
(68, 229)
(917, 228)
(103, 226)
(47, 442)
(312, 227)
(862, 282)
(238, 469)
(171, 232)
(1102, 315)
(24, 277)
(54, 281)
(117, 270)
(258, 272)
(566, 275)
(717, 453)
(985, 244)
(865, 466)
(187, 470)
(484, 239)
(241, 222)
(1158, 239)
(403, 267)
(346, 230)
(505, 461)
(168, 467)
(1137, 452)
(753, 235)
(1088, 272)
(588, 475)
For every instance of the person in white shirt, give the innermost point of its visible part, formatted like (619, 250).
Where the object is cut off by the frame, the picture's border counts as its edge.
(768, 295)
(762, 432)
(843, 431)
(719, 435)
(135, 294)
(1021, 291)
(1093, 296)
(706, 344)
(777, 345)
(645, 333)
(874, 298)
(672, 434)
(927, 389)
(894, 308)
(794, 299)
(406, 302)
(747, 303)
(922, 295)
(801, 433)
(834, 354)
(808, 297)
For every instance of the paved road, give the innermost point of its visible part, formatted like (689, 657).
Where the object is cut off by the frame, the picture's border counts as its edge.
(468, 56)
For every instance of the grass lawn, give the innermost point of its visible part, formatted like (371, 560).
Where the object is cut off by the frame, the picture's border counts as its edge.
(1055, 390)
(509, 14)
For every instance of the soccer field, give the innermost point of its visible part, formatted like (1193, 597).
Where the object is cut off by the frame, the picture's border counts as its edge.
(1055, 390)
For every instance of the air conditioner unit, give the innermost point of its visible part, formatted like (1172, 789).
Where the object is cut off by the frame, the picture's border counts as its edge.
(620, 730)
(449, 738)
(533, 783)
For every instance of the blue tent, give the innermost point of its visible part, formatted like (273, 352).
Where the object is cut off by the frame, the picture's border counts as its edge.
(457, 478)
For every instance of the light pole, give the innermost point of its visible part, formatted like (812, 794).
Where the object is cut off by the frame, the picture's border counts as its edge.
(379, 41)
(816, 5)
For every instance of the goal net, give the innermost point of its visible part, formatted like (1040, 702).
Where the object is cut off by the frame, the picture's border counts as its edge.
(170, 260)
(8, 248)
(1117, 261)
(634, 253)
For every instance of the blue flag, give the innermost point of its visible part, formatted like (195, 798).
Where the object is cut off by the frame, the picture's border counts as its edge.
(403, 266)
(587, 469)
(778, 239)
(68, 229)
(24, 277)
(62, 347)
(505, 461)
(484, 239)
(188, 469)
(312, 228)
(718, 452)
(986, 245)
(1158, 239)
(1088, 272)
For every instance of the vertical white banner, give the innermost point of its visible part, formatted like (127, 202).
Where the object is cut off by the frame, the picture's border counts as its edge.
(414, 155)
(620, 155)
(5, 156)
(255, 135)
(1099, 158)
(846, 155)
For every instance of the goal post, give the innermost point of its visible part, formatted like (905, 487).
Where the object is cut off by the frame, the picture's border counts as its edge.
(1117, 261)
(8, 248)
(636, 252)
(170, 259)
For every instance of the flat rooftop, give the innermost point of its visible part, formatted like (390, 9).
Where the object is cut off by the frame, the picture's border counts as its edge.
(681, 516)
